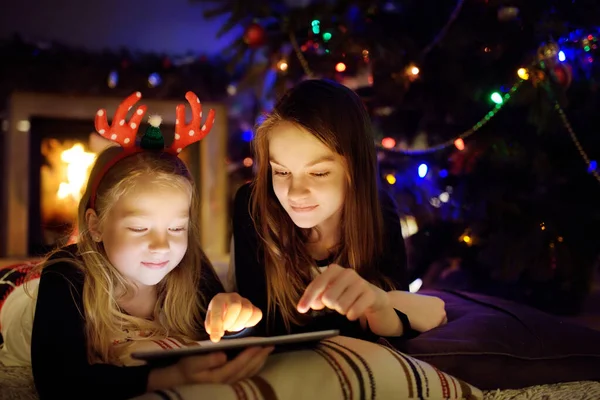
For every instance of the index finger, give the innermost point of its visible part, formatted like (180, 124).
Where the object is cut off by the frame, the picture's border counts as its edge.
(214, 318)
(316, 288)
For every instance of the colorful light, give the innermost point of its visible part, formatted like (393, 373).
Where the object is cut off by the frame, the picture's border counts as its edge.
(282, 65)
(459, 144)
(415, 285)
(523, 73)
(247, 136)
(154, 80)
(496, 97)
(423, 168)
(388, 142)
(113, 79)
(443, 173)
(326, 37)
(248, 162)
(316, 26)
(340, 67)
(391, 179)
(231, 90)
(444, 197)
(593, 166)
(561, 56)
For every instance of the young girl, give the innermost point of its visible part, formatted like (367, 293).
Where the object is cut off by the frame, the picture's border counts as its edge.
(314, 232)
(136, 278)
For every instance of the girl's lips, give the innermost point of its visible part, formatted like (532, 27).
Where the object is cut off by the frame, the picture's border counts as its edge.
(155, 265)
(303, 209)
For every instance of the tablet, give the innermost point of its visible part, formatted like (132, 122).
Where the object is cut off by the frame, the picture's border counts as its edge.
(232, 347)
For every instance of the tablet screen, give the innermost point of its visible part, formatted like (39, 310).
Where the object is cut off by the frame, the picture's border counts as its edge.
(233, 346)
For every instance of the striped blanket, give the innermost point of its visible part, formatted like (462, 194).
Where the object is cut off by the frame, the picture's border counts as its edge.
(339, 368)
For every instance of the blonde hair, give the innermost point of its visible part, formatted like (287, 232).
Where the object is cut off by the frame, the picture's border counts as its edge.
(334, 115)
(178, 310)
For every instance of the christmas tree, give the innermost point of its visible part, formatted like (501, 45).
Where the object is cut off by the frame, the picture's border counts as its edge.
(485, 114)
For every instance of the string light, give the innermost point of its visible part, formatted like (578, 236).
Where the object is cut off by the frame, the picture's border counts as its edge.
(412, 72)
(388, 143)
(444, 197)
(423, 168)
(316, 26)
(340, 67)
(467, 133)
(523, 73)
(154, 80)
(113, 79)
(247, 135)
(496, 97)
(459, 144)
(467, 238)
(391, 179)
(282, 65)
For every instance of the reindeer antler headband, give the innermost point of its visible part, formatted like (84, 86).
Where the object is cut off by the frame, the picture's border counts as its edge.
(124, 133)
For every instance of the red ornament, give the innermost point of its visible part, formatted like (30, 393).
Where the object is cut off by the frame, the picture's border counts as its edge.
(255, 36)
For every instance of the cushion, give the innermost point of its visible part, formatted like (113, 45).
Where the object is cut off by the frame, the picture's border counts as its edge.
(498, 344)
(339, 368)
(12, 276)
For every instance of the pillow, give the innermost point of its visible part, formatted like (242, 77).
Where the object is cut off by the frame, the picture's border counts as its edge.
(12, 276)
(498, 344)
(339, 368)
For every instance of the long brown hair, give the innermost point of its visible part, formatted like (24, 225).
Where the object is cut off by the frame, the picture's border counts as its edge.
(336, 116)
(179, 306)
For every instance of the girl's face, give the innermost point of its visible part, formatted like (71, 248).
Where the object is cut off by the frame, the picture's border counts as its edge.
(145, 234)
(309, 179)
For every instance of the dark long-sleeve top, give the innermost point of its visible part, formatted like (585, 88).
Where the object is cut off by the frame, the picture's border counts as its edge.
(250, 272)
(58, 345)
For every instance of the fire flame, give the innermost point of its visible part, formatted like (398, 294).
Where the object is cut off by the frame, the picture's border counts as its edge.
(78, 162)
(63, 178)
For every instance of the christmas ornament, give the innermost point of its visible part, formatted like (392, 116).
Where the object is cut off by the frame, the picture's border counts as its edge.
(255, 36)
(507, 13)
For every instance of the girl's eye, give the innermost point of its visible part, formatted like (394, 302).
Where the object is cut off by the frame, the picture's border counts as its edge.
(137, 229)
(180, 229)
(281, 173)
(320, 174)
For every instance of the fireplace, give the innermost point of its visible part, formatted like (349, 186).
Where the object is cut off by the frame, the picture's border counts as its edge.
(49, 147)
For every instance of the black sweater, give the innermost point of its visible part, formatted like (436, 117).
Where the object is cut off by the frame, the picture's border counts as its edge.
(250, 272)
(58, 345)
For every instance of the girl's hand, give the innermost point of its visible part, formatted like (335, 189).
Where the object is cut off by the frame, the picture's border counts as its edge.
(343, 290)
(214, 368)
(230, 312)
(211, 368)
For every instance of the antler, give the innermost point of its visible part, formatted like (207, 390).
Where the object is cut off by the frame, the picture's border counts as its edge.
(186, 134)
(120, 131)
